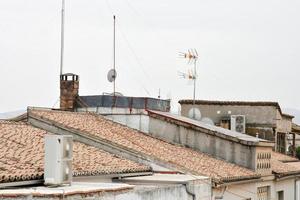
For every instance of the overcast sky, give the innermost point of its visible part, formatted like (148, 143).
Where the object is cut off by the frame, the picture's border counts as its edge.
(249, 50)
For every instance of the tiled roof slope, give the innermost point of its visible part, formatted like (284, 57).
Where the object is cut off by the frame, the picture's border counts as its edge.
(22, 156)
(283, 158)
(283, 165)
(183, 158)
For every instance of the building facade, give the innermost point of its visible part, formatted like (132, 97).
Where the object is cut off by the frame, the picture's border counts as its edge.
(262, 119)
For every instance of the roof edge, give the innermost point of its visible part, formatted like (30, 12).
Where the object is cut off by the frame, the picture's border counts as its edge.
(237, 103)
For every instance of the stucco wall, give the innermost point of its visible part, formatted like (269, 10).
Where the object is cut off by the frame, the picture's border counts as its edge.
(225, 149)
(254, 114)
(138, 122)
(172, 192)
(219, 147)
(284, 124)
(249, 190)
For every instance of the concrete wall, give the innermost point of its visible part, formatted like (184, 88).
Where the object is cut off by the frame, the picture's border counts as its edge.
(138, 122)
(284, 124)
(254, 114)
(249, 190)
(171, 192)
(218, 147)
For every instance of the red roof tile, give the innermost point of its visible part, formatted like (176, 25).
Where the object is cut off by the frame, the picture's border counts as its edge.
(22, 155)
(183, 158)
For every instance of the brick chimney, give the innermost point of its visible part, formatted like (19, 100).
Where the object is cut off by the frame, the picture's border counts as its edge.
(69, 86)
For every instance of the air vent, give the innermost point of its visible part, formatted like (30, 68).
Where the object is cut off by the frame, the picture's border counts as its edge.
(58, 159)
(238, 123)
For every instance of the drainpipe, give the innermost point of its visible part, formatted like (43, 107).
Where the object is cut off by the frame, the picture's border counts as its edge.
(221, 196)
(189, 192)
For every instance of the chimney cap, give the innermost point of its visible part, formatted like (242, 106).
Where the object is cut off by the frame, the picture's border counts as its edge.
(69, 74)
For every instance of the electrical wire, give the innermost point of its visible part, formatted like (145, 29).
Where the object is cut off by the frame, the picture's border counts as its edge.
(131, 49)
(238, 195)
(133, 52)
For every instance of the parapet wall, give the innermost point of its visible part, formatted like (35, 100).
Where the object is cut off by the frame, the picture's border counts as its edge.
(222, 148)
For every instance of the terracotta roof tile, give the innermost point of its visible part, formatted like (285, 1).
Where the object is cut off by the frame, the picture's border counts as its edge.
(283, 157)
(284, 165)
(182, 157)
(22, 155)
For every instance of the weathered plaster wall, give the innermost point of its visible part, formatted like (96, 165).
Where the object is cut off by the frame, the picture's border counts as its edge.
(254, 114)
(172, 192)
(230, 151)
(225, 149)
(138, 122)
(249, 190)
(284, 124)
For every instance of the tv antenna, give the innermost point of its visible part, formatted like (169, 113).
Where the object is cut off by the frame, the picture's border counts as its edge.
(192, 57)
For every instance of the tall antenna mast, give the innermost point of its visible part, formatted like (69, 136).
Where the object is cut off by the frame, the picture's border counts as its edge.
(62, 36)
(112, 74)
(114, 53)
(192, 56)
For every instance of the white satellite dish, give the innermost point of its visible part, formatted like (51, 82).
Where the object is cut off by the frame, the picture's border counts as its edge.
(194, 113)
(111, 75)
(207, 120)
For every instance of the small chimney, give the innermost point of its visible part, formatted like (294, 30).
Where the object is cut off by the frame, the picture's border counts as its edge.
(69, 86)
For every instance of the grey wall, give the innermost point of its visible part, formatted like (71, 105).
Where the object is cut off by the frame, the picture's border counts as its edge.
(233, 152)
(221, 148)
(254, 114)
(171, 192)
(138, 122)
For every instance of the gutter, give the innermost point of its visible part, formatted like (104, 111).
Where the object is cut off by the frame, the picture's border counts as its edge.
(236, 181)
(113, 176)
(281, 176)
(21, 183)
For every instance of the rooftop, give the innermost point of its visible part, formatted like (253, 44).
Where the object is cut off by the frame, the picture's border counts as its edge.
(296, 128)
(182, 158)
(22, 156)
(283, 165)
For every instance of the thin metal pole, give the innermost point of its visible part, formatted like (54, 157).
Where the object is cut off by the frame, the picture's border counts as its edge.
(194, 95)
(62, 36)
(114, 53)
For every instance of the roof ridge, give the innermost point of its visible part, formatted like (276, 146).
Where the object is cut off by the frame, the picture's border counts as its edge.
(9, 122)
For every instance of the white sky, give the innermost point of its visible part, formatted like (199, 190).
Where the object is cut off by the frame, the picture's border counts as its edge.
(249, 49)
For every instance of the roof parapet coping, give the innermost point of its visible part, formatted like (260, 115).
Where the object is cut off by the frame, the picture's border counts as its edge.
(233, 103)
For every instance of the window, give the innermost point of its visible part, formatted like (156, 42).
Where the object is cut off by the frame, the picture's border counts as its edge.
(281, 142)
(263, 193)
(280, 195)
